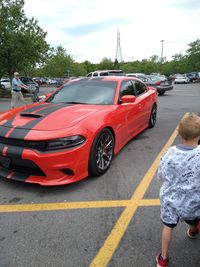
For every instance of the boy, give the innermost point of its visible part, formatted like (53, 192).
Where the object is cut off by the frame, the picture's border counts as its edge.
(179, 171)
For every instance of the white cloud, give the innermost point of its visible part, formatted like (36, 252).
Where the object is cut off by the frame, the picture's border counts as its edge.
(87, 29)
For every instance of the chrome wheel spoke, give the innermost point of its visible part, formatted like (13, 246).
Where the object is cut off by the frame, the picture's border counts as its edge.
(104, 151)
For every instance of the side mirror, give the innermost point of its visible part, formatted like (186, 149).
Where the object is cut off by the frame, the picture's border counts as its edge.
(128, 99)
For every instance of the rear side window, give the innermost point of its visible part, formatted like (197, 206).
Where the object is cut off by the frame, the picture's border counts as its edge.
(103, 73)
(116, 73)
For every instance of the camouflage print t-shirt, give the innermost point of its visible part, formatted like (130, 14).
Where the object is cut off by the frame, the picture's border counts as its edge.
(179, 172)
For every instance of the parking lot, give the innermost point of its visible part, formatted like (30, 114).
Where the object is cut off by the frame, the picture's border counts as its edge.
(111, 220)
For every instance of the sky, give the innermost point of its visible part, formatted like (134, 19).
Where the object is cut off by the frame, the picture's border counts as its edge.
(87, 29)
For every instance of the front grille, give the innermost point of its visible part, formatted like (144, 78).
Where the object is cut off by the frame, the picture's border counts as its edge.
(24, 166)
(37, 145)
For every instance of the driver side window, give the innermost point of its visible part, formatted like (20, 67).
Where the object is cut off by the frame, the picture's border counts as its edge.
(127, 88)
(140, 88)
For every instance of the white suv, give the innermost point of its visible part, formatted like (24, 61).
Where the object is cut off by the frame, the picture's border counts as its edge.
(100, 73)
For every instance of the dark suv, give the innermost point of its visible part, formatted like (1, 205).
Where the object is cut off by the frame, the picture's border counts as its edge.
(29, 82)
(196, 76)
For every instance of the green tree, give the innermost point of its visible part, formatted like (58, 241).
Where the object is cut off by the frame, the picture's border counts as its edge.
(106, 64)
(78, 69)
(154, 58)
(193, 54)
(88, 66)
(22, 41)
(59, 64)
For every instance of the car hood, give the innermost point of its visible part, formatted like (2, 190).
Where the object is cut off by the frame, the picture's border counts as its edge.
(50, 117)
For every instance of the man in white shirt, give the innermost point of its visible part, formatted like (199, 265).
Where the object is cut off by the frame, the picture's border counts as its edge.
(17, 96)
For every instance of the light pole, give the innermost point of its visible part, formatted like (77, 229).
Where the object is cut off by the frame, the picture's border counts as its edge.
(162, 41)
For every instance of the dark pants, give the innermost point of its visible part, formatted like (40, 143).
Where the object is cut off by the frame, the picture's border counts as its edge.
(189, 222)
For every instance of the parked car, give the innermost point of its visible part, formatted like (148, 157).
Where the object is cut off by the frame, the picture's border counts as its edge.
(29, 82)
(181, 78)
(162, 77)
(137, 75)
(160, 84)
(76, 131)
(5, 83)
(190, 77)
(196, 76)
(40, 81)
(100, 73)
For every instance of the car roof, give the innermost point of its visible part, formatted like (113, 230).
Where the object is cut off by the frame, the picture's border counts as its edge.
(107, 71)
(106, 78)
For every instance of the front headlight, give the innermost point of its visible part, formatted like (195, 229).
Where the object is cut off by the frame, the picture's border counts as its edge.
(66, 142)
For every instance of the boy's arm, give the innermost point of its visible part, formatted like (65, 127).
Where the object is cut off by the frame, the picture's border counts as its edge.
(160, 172)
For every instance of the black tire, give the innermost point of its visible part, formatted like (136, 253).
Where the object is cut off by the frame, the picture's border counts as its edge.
(101, 153)
(153, 116)
(2, 86)
(161, 93)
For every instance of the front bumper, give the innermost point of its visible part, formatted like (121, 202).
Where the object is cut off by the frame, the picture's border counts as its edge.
(55, 168)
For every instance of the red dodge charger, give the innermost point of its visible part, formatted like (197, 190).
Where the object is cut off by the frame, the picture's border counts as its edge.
(76, 131)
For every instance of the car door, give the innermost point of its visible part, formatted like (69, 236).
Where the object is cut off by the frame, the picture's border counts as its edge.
(144, 104)
(130, 110)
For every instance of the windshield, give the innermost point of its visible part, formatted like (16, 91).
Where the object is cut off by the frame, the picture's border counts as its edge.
(97, 92)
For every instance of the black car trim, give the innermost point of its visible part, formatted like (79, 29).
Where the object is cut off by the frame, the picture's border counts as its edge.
(15, 176)
(4, 172)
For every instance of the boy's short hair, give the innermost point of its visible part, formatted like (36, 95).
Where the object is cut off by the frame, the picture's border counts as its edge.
(189, 126)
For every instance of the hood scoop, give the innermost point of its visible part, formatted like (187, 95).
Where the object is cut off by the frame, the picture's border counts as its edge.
(31, 115)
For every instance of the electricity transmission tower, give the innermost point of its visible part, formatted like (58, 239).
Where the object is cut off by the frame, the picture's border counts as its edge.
(118, 56)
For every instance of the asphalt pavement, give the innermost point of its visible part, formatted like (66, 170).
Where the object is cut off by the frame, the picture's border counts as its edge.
(112, 220)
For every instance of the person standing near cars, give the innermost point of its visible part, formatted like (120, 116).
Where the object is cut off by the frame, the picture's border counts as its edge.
(17, 96)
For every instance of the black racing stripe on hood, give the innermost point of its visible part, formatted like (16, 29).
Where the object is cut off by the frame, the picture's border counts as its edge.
(8, 123)
(35, 108)
(5, 128)
(20, 133)
(51, 109)
(4, 131)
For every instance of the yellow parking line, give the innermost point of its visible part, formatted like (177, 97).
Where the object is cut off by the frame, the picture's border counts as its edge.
(64, 206)
(111, 243)
(149, 202)
(76, 205)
